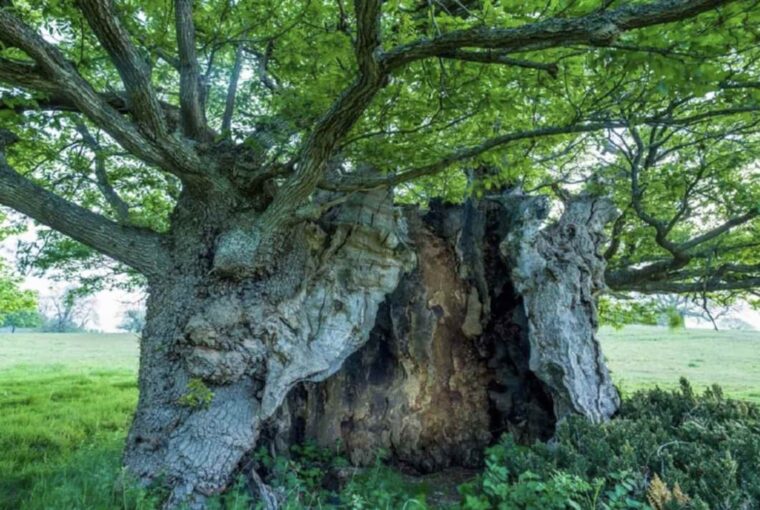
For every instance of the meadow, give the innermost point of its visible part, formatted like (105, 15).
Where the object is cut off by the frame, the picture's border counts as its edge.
(66, 400)
(641, 357)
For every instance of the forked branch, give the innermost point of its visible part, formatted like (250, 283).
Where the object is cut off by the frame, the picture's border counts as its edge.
(135, 74)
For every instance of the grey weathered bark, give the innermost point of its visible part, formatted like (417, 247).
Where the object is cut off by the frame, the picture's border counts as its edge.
(559, 272)
(449, 367)
(251, 343)
(459, 348)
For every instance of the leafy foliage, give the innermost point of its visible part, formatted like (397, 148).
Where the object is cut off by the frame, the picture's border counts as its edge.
(619, 313)
(671, 450)
(197, 394)
(314, 477)
(705, 445)
(688, 88)
(23, 319)
(16, 304)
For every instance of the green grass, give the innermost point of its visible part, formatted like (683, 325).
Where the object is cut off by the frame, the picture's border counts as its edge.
(71, 350)
(65, 405)
(50, 419)
(641, 357)
(66, 401)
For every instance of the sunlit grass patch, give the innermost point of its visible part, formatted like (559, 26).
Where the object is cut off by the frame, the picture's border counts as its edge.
(50, 419)
(641, 357)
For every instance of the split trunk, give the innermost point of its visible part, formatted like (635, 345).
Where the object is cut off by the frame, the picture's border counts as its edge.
(426, 334)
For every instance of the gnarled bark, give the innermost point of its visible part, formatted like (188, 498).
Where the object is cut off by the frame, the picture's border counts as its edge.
(492, 332)
(558, 271)
(219, 356)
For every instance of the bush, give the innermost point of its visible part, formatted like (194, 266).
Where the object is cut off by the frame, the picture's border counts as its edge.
(704, 449)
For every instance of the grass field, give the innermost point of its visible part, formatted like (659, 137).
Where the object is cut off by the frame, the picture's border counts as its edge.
(66, 401)
(65, 404)
(69, 350)
(644, 356)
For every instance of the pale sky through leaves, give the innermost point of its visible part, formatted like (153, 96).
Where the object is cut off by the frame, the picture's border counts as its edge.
(108, 306)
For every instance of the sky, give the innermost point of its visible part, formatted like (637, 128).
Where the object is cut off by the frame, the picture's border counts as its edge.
(107, 306)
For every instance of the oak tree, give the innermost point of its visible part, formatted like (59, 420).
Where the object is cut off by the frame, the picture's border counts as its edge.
(258, 163)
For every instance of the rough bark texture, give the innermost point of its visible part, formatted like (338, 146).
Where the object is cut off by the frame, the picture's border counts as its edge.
(493, 331)
(250, 342)
(490, 330)
(558, 272)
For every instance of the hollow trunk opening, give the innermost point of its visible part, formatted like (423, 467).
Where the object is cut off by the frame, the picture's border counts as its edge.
(445, 372)
(425, 335)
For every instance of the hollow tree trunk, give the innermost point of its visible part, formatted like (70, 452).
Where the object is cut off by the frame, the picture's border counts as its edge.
(427, 335)
(493, 331)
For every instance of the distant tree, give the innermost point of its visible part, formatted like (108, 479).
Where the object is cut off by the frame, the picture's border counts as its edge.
(134, 320)
(14, 300)
(66, 312)
(699, 306)
(735, 323)
(22, 319)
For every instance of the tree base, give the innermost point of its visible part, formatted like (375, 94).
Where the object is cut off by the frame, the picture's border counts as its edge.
(347, 342)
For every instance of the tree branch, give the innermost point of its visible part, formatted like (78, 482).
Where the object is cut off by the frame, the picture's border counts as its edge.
(500, 57)
(670, 287)
(229, 105)
(644, 158)
(600, 28)
(693, 119)
(134, 71)
(119, 206)
(334, 125)
(615, 238)
(462, 154)
(654, 273)
(316, 151)
(138, 248)
(55, 76)
(191, 102)
(26, 76)
(721, 229)
(262, 66)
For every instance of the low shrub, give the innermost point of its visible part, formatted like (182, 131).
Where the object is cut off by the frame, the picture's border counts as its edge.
(665, 450)
(313, 477)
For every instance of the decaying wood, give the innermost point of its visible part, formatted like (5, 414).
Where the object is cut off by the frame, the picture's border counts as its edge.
(449, 368)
